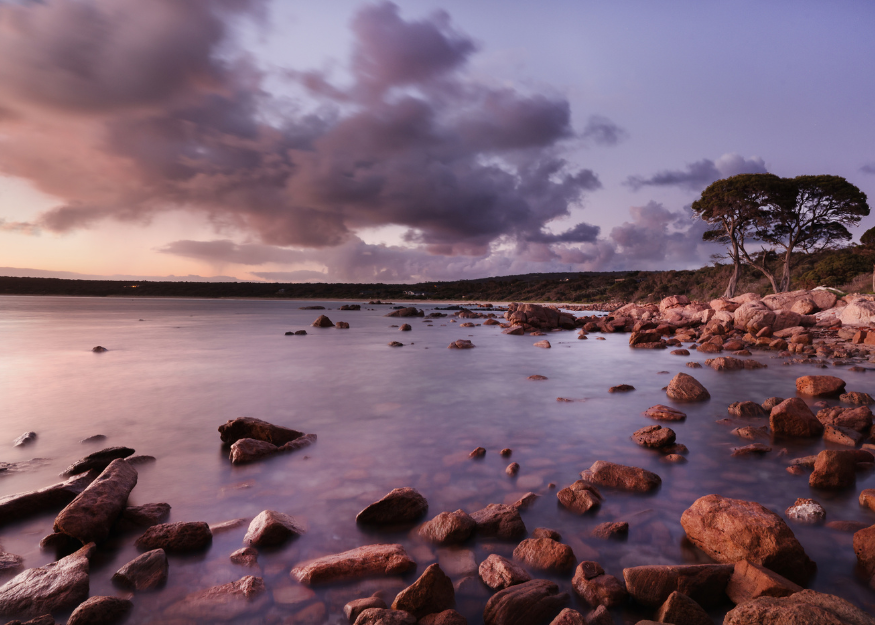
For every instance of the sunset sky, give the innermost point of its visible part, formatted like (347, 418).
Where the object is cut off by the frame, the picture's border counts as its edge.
(421, 140)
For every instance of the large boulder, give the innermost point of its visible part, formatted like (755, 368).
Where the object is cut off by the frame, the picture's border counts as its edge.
(684, 387)
(322, 322)
(401, 505)
(729, 530)
(753, 316)
(806, 607)
(91, 515)
(432, 592)
(621, 477)
(250, 427)
(820, 385)
(271, 528)
(864, 548)
(860, 312)
(673, 301)
(367, 561)
(651, 585)
(530, 603)
(176, 537)
(57, 586)
(448, 528)
(222, 603)
(499, 521)
(834, 470)
(792, 418)
(101, 611)
(857, 419)
(498, 572)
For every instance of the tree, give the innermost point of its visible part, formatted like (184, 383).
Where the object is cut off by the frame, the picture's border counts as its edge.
(809, 214)
(867, 242)
(734, 206)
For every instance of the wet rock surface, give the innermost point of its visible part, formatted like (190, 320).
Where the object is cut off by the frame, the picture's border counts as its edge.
(750, 581)
(432, 592)
(820, 386)
(250, 427)
(807, 606)
(271, 528)
(22, 505)
(371, 560)
(528, 603)
(146, 572)
(580, 497)
(664, 413)
(401, 505)
(679, 608)
(100, 611)
(176, 537)
(222, 603)
(621, 477)
(498, 572)
(685, 387)
(499, 521)
(144, 516)
(792, 418)
(704, 583)
(448, 528)
(545, 554)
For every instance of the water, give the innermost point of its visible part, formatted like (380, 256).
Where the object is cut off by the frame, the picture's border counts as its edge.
(385, 418)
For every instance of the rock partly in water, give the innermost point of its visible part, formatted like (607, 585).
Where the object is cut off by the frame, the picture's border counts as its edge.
(685, 387)
(750, 581)
(499, 521)
(271, 528)
(834, 470)
(704, 583)
(580, 497)
(545, 554)
(729, 530)
(146, 572)
(101, 611)
(176, 537)
(679, 608)
(664, 413)
(805, 607)
(792, 418)
(222, 603)
(378, 616)
(250, 427)
(401, 505)
(596, 588)
(820, 386)
(146, 515)
(498, 572)
(25, 439)
(461, 344)
(806, 511)
(654, 436)
(432, 592)
(747, 409)
(22, 505)
(528, 603)
(448, 528)
(99, 460)
(367, 561)
(322, 321)
(621, 477)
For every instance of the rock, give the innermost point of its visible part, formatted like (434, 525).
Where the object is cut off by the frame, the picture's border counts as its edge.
(322, 322)
(499, 573)
(222, 603)
(528, 499)
(596, 588)
(366, 561)
(857, 313)
(176, 537)
(806, 511)
(146, 572)
(805, 607)
(506, 452)
(858, 419)
(448, 528)
(10, 561)
(447, 617)
(749, 581)
(545, 554)
(250, 427)
(833, 470)
(685, 387)
(144, 516)
(621, 477)
(673, 301)
(25, 439)
(342, 325)
(514, 331)
(21, 505)
(100, 611)
(867, 498)
(729, 530)
(99, 349)
(545, 344)
(247, 556)
(580, 497)
(753, 315)
(355, 607)
(401, 505)
(621, 388)
(664, 413)
(99, 460)
(864, 547)
(57, 586)
(376, 616)
(405, 327)
(654, 436)
(477, 453)
(846, 526)
(752, 433)
(747, 409)
(792, 418)
(140, 459)
(91, 515)
(528, 603)
(680, 352)
(704, 583)
(568, 617)
(409, 311)
(857, 399)
(605, 531)
(599, 616)
(461, 344)
(247, 450)
(750, 450)
(46, 619)
(271, 528)
(432, 592)
(771, 402)
(499, 521)
(537, 378)
(682, 610)
(842, 436)
(820, 385)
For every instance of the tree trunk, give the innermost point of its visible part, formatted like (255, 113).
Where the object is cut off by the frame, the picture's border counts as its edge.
(736, 270)
(785, 274)
(873, 278)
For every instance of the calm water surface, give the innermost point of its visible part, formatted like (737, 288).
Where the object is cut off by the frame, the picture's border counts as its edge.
(385, 418)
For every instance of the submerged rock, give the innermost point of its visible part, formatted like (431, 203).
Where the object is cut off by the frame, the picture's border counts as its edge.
(144, 516)
(227, 602)
(176, 537)
(250, 427)
(25, 439)
(146, 572)
(685, 387)
(366, 561)
(401, 505)
(664, 413)
(461, 344)
(99, 460)
(621, 477)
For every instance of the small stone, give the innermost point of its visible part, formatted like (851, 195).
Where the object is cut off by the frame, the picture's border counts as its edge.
(580, 497)
(664, 413)
(176, 537)
(806, 511)
(401, 505)
(271, 528)
(506, 452)
(685, 387)
(432, 592)
(498, 572)
(605, 531)
(545, 344)
(654, 436)
(146, 572)
(477, 453)
(247, 556)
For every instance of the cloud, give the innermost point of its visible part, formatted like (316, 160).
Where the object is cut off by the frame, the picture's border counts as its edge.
(658, 235)
(602, 131)
(696, 176)
(20, 272)
(125, 108)
(868, 168)
(23, 227)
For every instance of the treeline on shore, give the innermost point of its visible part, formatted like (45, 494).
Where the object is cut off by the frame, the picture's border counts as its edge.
(848, 269)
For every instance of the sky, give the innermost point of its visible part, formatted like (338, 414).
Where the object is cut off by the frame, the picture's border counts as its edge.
(419, 140)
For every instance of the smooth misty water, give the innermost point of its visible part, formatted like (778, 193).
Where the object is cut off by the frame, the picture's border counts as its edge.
(385, 418)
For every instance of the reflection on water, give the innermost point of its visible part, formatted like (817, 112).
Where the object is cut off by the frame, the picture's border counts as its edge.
(385, 417)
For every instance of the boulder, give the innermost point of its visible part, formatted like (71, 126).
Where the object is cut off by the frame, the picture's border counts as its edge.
(529, 603)
(747, 409)
(227, 602)
(857, 398)
(499, 521)
(57, 586)
(792, 418)
(447, 617)
(704, 583)
(621, 477)
(377, 616)
(750, 581)
(664, 413)
(176, 537)
(401, 505)
(580, 497)
(498, 572)
(654, 436)
(91, 515)
(860, 312)
(432, 592)
(596, 588)
(271, 528)
(367, 561)
(250, 427)
(805, 607)
(25, 439)
(616, 529)
(146, 572)
(806, 511)
(322, 322)
(545, 554)
(729, 530)
(820, 385)
(834, 470)
(144, 516)
(753, 315)
(99, 460)
(568, 617)
(672, 301)
(685, 387)
(448, 528)
(100, 611)
(723, 303)
(247, 450)
(22, 505)
(355, 607)
(858, 419)
(682, 610)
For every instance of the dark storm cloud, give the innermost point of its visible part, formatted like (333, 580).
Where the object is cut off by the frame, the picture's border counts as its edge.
(868, 168)
(656, 235)
(602, 131)
(125, 108)
(696, 176)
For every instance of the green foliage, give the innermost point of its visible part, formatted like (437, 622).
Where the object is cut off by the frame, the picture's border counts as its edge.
(868, 239)
(837, 269)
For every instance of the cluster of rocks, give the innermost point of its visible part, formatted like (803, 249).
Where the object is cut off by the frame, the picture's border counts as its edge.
(252, 439)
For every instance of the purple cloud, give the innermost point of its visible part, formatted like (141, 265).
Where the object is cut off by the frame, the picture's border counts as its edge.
(696, 176)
